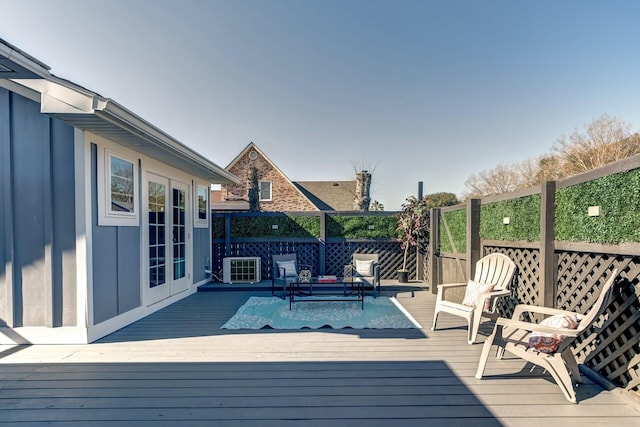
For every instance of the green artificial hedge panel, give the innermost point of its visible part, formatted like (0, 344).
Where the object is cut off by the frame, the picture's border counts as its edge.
(288, 226)
(457, 223)
(523, 214)
(618, 196)
(361, 227)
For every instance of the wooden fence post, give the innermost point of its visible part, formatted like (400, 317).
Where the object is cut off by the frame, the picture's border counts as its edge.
(227, 234)
(548, 268)
(434, 251)
(322, 243)
(473, 236)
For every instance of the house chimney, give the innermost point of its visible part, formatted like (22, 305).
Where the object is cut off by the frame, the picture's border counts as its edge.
(363, 184)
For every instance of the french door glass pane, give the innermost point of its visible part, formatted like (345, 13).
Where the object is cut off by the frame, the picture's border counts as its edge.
(157, 265)
(179, 241)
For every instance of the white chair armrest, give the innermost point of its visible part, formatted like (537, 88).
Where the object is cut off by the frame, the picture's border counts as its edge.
(534, 327)
(451, 285)
(493, 294)
(442, 289)
(500, 293)
(525, 308)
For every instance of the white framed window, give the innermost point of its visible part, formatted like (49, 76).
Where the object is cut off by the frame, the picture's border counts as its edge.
(201, 208)
(265, 190)
(118, 190)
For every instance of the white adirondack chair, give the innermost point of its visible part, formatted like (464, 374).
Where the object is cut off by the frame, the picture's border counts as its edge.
(494, 269)
(513, 334)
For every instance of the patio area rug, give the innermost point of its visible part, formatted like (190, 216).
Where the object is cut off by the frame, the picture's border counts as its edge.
(273, 312)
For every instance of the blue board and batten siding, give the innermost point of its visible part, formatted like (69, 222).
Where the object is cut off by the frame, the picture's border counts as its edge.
(38, 281)
(39, 261)
(116, 261)
(201, 253)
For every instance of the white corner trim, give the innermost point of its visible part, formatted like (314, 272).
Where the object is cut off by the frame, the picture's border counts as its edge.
(84, 270)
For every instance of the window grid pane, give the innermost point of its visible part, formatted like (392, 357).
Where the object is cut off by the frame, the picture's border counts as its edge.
(121, 185)
(265, 190)
(179, 235)
(157, 264)
(202, 203)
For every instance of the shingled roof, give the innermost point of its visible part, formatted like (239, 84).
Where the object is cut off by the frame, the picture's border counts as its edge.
(329, 195)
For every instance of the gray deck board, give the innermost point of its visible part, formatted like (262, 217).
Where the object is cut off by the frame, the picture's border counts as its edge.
(177, 367)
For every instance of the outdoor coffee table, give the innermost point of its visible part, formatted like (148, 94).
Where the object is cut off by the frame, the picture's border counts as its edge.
(351, 289)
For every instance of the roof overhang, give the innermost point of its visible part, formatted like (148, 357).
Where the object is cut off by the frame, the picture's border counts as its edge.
(16, 64)
(88, 111)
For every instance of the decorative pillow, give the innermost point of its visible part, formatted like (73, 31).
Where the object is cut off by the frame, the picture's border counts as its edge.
(364, 268)
(549, 343)
(473, 290)
(290, 268)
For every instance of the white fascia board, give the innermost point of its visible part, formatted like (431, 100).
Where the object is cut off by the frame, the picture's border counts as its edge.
(21, 90)
(58, 98)
(23, 60)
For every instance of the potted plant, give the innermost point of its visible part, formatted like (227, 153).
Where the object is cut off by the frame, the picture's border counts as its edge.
(412, 229)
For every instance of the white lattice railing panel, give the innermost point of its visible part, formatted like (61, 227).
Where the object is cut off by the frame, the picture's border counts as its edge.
(525, 289)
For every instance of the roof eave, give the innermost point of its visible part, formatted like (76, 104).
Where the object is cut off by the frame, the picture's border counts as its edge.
(107, 118)
(113, 112)
(20, 63)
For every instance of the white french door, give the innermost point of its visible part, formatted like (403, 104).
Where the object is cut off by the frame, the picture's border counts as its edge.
(167, 237)
(158, 222)
(179, 236)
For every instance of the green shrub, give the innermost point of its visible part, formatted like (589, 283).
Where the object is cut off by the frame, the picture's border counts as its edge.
(524, 216)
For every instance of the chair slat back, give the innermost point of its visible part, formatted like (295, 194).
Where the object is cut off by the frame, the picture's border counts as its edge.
(601, 303)
(284, 257)
(496, 269)
(365, 257)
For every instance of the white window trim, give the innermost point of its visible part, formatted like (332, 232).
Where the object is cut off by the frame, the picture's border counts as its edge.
(270, 191)
(197, 221)
(107, 217)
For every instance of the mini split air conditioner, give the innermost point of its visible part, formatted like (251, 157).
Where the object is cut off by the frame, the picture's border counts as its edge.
(241, 270)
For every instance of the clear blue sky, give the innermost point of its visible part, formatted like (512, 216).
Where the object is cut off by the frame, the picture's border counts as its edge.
(429, 91)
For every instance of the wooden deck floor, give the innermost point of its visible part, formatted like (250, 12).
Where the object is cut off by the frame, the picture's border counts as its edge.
(177, 367)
